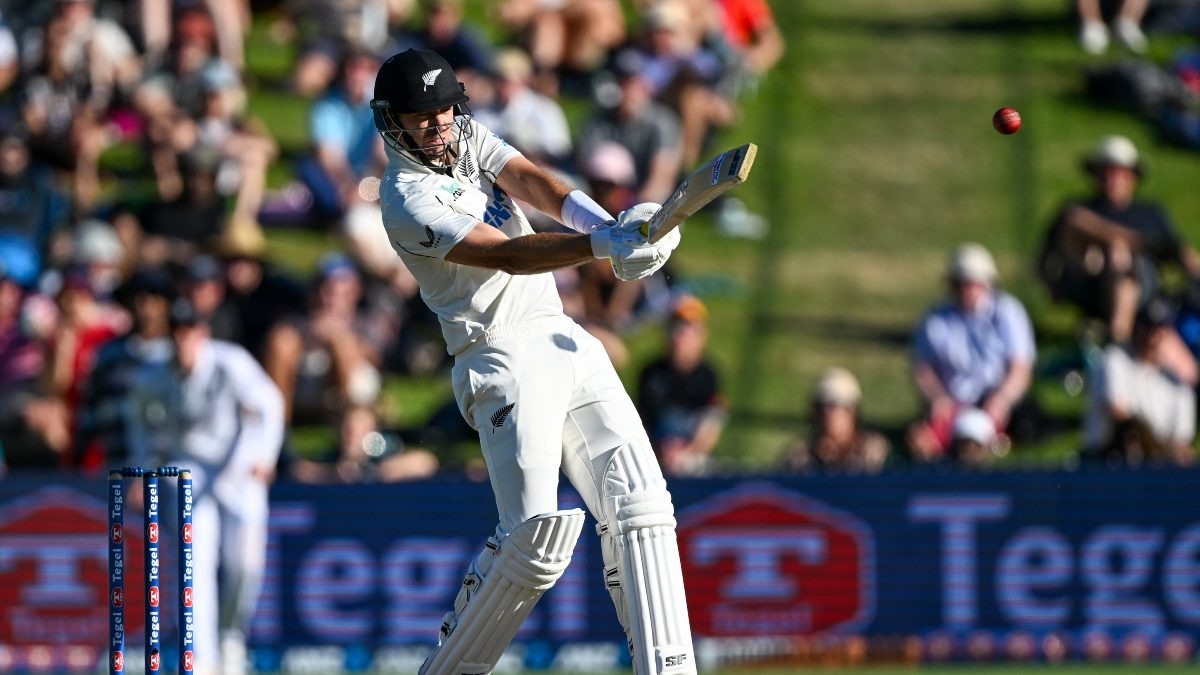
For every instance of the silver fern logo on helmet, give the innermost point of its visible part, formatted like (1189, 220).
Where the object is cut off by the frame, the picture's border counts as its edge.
(430, 77)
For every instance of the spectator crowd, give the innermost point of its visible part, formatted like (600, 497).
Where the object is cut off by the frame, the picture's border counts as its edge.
(134, 174)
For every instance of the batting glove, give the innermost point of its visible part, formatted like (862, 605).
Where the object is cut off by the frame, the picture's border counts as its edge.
(642, 265)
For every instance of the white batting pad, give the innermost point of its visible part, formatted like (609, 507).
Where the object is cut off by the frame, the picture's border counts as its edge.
(639, 541)
(500, 590)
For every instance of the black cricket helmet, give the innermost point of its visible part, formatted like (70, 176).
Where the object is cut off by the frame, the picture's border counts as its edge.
(413, 81)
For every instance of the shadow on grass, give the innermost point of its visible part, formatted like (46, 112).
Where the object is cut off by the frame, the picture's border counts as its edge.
(1006, 23)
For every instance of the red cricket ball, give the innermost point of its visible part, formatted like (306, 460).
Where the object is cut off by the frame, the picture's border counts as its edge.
(1007, 120)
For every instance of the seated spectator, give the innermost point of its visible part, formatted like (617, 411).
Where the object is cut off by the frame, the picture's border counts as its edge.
(444, 30)
(331, 29)
(1142, 397)
(617, 306)
(975, 348)
(32, 206)
(532, 122)
(1103, 254)
(61, 118)
(129, 406)
(679, 395)
(96, 48)
(1127, 24)
(261, 296)
(33, 424)
(174, 93)
(973, 440)
(838, 441)
(573, 36)
(364, 454)
(173, 230)
(330, 358)
(650, 132)
(346, 146)
(241, 140)
(749, 27)
(683, 74)
(86, 323)
(99, 254)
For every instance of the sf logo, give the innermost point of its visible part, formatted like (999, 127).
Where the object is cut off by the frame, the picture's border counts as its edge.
(118, 533)
(118, 662)
(187, 662)
(153, 596)
(187, 533)
(118, 597)
(152, 532)
(187, 596)
(154, 661)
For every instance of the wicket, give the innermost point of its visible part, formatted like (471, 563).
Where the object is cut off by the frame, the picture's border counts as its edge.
(151, 562)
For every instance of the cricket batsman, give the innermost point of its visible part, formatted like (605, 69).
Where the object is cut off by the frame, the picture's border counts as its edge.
(538, 389)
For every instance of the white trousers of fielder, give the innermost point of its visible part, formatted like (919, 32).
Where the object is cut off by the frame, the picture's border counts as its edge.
(546, 401)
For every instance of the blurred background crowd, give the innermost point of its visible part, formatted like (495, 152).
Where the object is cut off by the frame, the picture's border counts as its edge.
(135, 176)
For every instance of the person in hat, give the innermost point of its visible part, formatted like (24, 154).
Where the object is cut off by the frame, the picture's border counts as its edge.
(1142, 404)
(1103, 253)
(838, 441)
(974, 441)
(530, 121)
(230, 438)
(975, 348)
(679, 394)
(539, 390)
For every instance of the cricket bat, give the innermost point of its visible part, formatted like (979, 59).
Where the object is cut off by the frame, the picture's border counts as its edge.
(705, 184)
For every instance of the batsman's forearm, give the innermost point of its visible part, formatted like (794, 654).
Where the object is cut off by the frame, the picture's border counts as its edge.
(541, 252)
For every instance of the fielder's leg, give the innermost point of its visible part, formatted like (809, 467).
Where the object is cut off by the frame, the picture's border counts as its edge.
(500, 589)
(243, 559)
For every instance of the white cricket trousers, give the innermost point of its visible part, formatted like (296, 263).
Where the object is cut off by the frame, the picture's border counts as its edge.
(569, 412)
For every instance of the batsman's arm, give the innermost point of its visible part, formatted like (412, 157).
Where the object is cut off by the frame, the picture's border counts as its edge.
(487, 247)
(533, 185)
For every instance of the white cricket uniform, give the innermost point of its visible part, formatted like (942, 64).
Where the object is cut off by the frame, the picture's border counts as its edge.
(511, 341)
(234, 421)
(542, 394)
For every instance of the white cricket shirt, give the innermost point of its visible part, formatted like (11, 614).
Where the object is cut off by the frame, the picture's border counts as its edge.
(426, 212)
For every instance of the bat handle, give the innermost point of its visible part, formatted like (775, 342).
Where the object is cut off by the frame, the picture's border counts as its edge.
(651, 224)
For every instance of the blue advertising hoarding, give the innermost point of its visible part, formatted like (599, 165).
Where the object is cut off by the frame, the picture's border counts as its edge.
(365, 572)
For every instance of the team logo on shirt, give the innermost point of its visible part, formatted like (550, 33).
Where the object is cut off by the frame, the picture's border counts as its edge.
(501, 416)
(497, 212)
(430, 77)
(467, 168)
(434, 239)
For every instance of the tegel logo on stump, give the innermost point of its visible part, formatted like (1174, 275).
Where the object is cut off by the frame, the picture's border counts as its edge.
(760, 560)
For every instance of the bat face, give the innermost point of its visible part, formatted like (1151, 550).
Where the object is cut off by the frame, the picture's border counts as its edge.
(706, 183)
